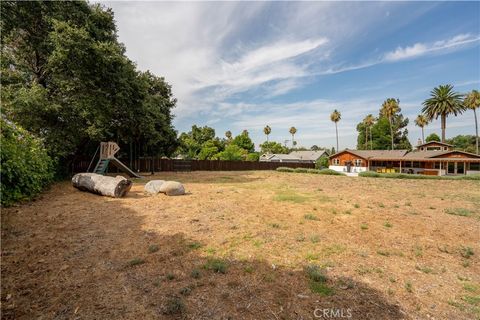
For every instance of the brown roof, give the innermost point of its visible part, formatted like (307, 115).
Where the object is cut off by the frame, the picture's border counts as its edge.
(434, 142)
(375, 154)
(424, 154)
(394, 155)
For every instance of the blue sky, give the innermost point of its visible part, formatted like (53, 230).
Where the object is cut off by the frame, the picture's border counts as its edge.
(236, 66)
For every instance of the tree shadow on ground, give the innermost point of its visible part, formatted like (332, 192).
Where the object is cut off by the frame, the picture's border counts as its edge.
(74, 255)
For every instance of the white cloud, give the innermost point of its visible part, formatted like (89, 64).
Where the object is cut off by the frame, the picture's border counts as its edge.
(420, 49)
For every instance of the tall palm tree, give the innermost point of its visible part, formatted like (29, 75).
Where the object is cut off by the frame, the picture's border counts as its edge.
(443, 102)
(369, 121)
(472, 101)
(292, 131)
(228, 134)
(389, 108)
(335, 117)
(421, 121)
(267, 130)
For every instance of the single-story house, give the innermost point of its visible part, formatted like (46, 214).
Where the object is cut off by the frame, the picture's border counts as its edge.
(431, 158)
(307, 156)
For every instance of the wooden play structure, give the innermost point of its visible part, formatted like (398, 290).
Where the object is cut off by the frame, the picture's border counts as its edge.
(107, 156)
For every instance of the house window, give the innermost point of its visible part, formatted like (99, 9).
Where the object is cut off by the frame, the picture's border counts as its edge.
(445, 148)
(475, 166)
(336, 161)
(416, 164)
(358, 162)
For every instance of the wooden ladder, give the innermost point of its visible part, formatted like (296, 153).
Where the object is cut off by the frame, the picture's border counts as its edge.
(102, 166)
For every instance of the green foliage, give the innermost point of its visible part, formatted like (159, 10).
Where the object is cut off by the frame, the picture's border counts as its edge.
(273, 147)
(26, 167)
(244, 142)
(314, 171)
(232, 152)
(330, 172)
(200, 143)
(66, 78)
(321, 163)
(463, 142)
(255, 156)
(432, 137)
(216, 265)
(315, 273)
(208, 151)
(380, 133)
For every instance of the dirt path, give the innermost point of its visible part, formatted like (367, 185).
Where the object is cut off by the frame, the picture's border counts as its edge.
(236, 246)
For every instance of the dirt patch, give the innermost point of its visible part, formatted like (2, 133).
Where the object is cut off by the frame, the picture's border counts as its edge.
(237, 247)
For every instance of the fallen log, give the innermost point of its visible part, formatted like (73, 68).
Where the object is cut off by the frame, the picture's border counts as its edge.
(115, 187)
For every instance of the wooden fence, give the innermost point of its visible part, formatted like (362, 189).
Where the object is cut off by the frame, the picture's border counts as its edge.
(158, 164)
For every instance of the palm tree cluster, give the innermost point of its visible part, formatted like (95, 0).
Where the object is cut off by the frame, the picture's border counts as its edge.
(369, 121)
(445, 101)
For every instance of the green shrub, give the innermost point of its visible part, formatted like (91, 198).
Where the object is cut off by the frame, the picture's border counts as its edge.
(26, 167)
(330, 172)
(321, 163)
(313, 171)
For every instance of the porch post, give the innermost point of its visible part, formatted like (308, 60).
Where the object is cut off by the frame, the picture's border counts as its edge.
(400, 171)
(440, 172)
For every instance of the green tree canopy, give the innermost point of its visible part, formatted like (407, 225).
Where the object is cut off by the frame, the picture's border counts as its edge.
(463, 142)
(381, 134)
(432, 137)
(244, 142)
(66, 78)
(200, 143)
(232, 152)
(273, 147)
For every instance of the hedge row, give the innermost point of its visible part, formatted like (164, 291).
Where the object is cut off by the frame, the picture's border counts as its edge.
(314, 171)
(372, 174)
(26, 167)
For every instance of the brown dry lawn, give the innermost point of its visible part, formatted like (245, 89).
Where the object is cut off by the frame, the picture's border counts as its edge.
(390, 249)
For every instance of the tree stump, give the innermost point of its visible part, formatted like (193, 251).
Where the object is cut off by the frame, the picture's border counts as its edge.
(115, 187)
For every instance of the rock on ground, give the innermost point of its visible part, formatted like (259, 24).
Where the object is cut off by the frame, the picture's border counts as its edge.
(116, 187)
(153, 186)
(172, 188)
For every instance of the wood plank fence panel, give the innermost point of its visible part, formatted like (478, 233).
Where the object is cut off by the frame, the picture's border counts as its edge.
(159, 164)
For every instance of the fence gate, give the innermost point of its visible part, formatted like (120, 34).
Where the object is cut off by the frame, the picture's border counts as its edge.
(182, 165)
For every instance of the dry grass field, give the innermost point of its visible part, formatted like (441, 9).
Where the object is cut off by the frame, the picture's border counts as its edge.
(247, 245)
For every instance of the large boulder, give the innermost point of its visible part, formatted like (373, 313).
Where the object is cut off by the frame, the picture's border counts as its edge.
(153, 186)
(172, 188)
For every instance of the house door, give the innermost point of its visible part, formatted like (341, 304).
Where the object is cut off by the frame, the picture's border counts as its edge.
(349, 166)
(460, 167)
(451, 168)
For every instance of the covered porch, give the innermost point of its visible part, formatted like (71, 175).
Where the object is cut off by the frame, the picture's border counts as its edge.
(435, 167)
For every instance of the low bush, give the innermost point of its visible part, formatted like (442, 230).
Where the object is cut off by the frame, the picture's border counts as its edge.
(26, 167)
(312, 171)
(330, 172)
